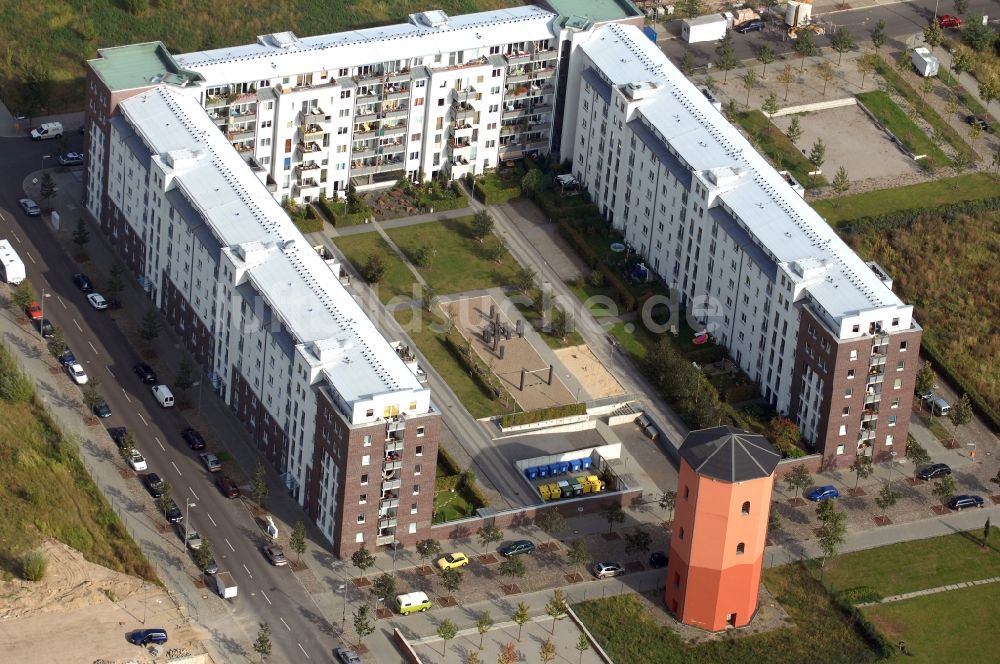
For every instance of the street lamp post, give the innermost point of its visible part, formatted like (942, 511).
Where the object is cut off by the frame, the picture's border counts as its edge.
(187, 506)
(41, 307)
(343, 618)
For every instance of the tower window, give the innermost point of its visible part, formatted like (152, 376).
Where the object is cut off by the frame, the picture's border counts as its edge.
(746, 507)
(740, 549)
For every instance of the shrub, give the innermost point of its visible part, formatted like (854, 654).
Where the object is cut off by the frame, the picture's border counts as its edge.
(543, 414)
(860, 595)
(903, 218)
(33, 566)
(16, 387)
(447, 463)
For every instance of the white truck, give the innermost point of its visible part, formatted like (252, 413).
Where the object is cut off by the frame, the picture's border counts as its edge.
(47, 130)
(925, 63)
(704, 28)
(225, 585)
(11, 266)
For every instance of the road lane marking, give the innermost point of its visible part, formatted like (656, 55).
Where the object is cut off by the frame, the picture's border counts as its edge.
(227, 543)
(193, 493)
(109, 370)
(61, 302)
(16, 237)
(284, 623)
(211, 519)
(303, 651)
(177, 469)
(30, 258)
(159, 443)
(77, 326)
(92, 347)
(265, 596)
(127, 398)
(142, 418)
(248, 570)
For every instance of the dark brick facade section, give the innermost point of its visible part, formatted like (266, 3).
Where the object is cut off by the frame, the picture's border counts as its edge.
(126, 241)
(196, 336)
(818, 348)
(345, 445)
(268, 437)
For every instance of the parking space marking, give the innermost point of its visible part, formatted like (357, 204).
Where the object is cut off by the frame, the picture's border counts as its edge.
(159, 443)
(92, 347)
(284, 623)
(265, 596)
(212, 520)
(59, 299)
(227, 542)
(16, 237)
(248, 570)
(193, 493)
(142, 418)
(28, 254)
(129, 399)
(177, 469)
(77, 326)
(303, 651)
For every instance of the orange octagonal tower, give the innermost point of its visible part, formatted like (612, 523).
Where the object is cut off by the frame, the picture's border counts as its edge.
(720, 527)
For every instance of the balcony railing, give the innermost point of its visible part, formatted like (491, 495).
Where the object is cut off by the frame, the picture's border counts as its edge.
(544, 54)
(311, 132)
(388, 503)
(390, 485)
(394, 113)
(394, 447)
(394, 130)
(308, 166)
(240, 134)
(518, 56)
(313, 116)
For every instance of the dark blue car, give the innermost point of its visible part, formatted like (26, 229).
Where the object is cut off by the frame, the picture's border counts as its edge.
(959, 503)
(144, 637)
(823, 493)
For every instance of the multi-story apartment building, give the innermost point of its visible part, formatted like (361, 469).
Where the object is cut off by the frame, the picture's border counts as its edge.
(821, 332)
(323, 394)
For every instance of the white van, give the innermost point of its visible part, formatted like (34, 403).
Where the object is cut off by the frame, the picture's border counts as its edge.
(412, 602)
(939, 406)
(163, 395)
(11, 267)
(47, 130)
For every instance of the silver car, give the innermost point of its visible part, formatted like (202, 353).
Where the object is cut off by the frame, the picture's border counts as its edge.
(30, 207)
(347, 655)
(605, 569)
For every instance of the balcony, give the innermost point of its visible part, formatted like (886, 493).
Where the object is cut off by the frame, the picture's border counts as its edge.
(391, 485)
(395, 113)
(216, 102)
(392, 466)
(394, 447)
(398, 129)
(309, 151)
(366, 98)
(518, 76)
(306, 167)
(537, 145)
(516, 92)
(388, 503)
(387, 523)
(518, 56)
(543, 74)
(313, 116)
(385, 540)
(244, 116)
(308, 187)
(366, 115)
(370, 75)
(512, 129)
(311, 132)
(396, 424)
(366, 130)
(392, 148)
(362, 151)
(512, 151)
(241, 134)
(395, 92)
(866, 434)
(220, 119)
(461, 111)
(467, 96)
(544, 54)
(869, 415)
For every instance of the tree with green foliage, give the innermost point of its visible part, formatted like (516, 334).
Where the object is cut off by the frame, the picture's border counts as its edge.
(886, 498)
(524, 280)
(452, 579)
(961, 413)
(925, 378)
(484, 623)
(494, 251)
(482, 226)
(866, 65)
(258, 485)
(824, 70)
(384, 586)
(978, 35)
(613, 513)
(710, 83)
(115, 283)
(862, 468)
(23, 295)
(473, 657)
(916, 453)
(547, 651)
(944, 489)
(297, 540)
(373, 270)
(841, 41)
(961, 6)
(749, 79)
(489, 535)
(731, 110)
(184, 379)
(521, 617)
(81, 236)
(878, 35)
(149, 329)
(533, 181)
(686, 64)
(91, 395)
(841, 182)
(770, 105)
(551, 522)
(203, 555)
(513, 568)
(48, 188)
(561, 324)
(798, 479)
(446, 631)
(689, 8)
(765, 56)
(363, 560)
(933, 34)
(725, 56)
(578, 554)
(57, 345)
(773, 519)
(817, 155)
(668, 501)
(637, 541)
(832, 532)
(428, 548)
(785, 78)
(996, 478)
(582, 646)
(989, 87)
(556, 608)
(126, 448)
(805, 46)
(421, 255)
(781, 431)
(363, 623)
(509, 654)
(825, 510)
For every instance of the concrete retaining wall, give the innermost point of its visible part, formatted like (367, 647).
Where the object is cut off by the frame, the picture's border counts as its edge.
(590, 637)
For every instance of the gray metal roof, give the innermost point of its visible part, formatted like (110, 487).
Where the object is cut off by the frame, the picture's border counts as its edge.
(729, 454)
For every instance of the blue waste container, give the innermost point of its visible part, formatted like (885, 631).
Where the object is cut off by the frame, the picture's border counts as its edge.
(531, 473)
(586, 463)
(543, 471)
(575, 465)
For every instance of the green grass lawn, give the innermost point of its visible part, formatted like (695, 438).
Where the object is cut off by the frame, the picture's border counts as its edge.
(940, 431)
(893, 117)
(781, 151)
(629, 634)
(973, 186)
(458, 263)
(908, 566)
(450, 505)
(397, 281)
(957, 626)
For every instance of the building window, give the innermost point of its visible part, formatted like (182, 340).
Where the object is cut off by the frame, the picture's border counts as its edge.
(420, 431)
(845, 411)
(854, 355)
(365, 460)
(895, 322)
(361, 518)
(416, 469)
(843, 430)
(900, 365)
(413, 508)
(849, 392)
(888, 440)
(362, 499)
(680, 533)
(898, 383)
(892, 420)
(856, 328)
(840, 449)
(902, 346)
(364, 480)
(368, 441)
(419, 450)
(895, 403)
(370, 413)
(740, 549)
(746, 507)
(687, 492)
(413, 405)
(412, 529)
(416, 489)
(850, 373)
(359, 538)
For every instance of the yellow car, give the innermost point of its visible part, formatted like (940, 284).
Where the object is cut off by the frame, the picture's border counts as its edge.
(453, 560)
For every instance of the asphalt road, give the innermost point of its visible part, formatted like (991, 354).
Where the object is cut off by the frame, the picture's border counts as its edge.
(902, 20)
(266, 593)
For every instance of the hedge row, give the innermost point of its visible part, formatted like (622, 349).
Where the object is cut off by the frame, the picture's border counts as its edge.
(490, 191)
(324, 206)
(473, 493)
(447, 462)
(543, 414)
(903, 218)
(860, 595)
(941, 365)
(880, 644)
(479, 371)
(459, 200)
(623, 295)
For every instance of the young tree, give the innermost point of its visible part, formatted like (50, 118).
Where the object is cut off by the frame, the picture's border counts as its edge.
(184, 379)
(577, 554)
(817, 155)
(805, 46)
(862, 467)
(556, 608)
(686, 64)
(203, 555)
(824, 70)
(363, 560)
(363, 624)
(866, 65)
(127, 448)
(825, 509)
(57, 345)
(925, 378)
(494, 251)
(48, 188)
(23, 295)
(765, 56)
(749, 79)
(508, 653)
(961, 413)
(384, 586)
(81, 236)
(638, 541)
(842, 42)
(832, 533)
(933, 34)
(886, 498)
(770, 105)
(524, 280)
(150, 327)
(262, 644)
(547, 651)
(428, 548)
(731, 110)
(668, 501)
(533, 181)
(373, 270)
(974, 33)
(773, 519)
(916, 453)
(484, 623)
(785, 78)
(472, 657)
(297, 540)
(551, 522)
(726, 57)
(521, 617)
(798, 479)
(582, 646)
(690, 8)
(878, 35)
(489, 535)
(446, 632)
(258, 486)
(562, 323)
(794, 133)
(614, 514)
(710, 83)
(944, 489)
(452, 579)
(841, 181)
(91, 396)
(482, 226)
(961, 6)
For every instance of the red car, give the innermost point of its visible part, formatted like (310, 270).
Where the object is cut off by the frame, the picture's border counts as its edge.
(34, 311)
(228, 487)
(949, 21)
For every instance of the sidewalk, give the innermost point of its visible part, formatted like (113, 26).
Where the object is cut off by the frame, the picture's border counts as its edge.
(402, 222)
(12, 128)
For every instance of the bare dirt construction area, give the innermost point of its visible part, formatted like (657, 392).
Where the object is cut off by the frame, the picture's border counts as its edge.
(82, 612)
(853, 141)
(471, 316)
(595, 378)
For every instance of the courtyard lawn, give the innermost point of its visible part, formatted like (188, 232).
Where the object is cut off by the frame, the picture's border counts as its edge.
(626, 630)
(397, 281)
(957, 626)
(902, 127)
(458, 262)
(917, 565)
(779, 148)
(973, 186)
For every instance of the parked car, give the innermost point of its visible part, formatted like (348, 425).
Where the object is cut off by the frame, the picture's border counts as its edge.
(607, 568)
(70, 159)
(755, 25)
(453, 561)
(193, 438)
(275, 555)
(827, 492)
(658, 559)
(933, 471)
(144, 637)
(193, 540)
(97, 301)
(30, 207)
(144, 372)
(949, 21)
(45, 328)
(959, 503)
(228, 487)
(347, 655)
(102, 409)
(118, 435)
(212, 463)
(83, 282)
(973, 120)
(34, 311)
(154, 485)
(173, 513)
(137, 461)
(77, 373)
(211, 567)
(516, 548)
(67, 358)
